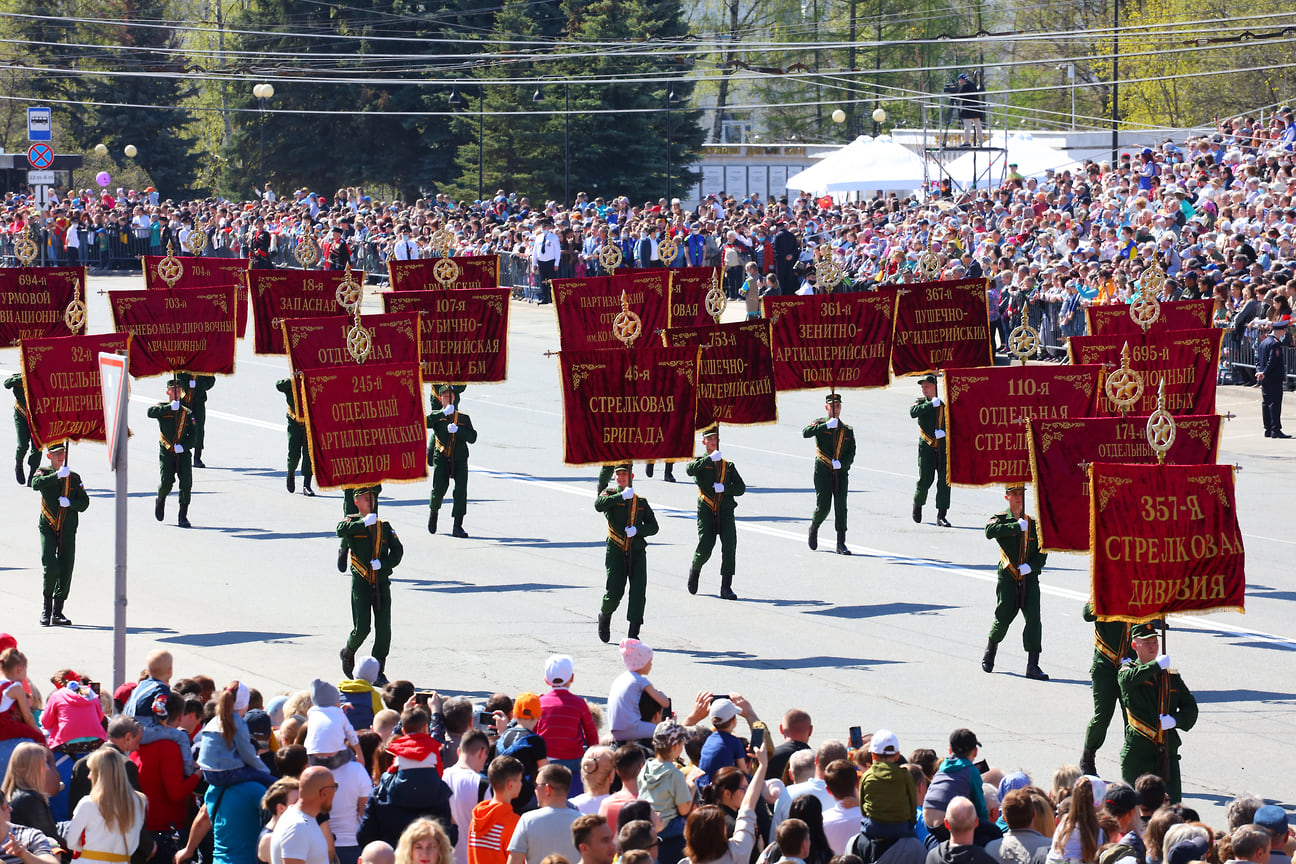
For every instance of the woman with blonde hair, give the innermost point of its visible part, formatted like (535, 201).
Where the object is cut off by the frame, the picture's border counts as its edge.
(29, 782)
(596, 776)
(424, 842)
(106, 824)
(1078, 836)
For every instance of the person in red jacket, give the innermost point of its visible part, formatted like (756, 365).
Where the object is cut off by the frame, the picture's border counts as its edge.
(566, 724)
(164, 784)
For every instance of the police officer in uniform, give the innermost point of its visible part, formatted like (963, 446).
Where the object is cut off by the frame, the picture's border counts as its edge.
(1271, 373)
(1157, 706)
(15, 383)
(176, 434)
(374, 551)
(196, 400)
(929, 411)
(63, 497)
(1111, 649)
(630, 522)
(1020, 563)
(834, 453)
(452, 432)
(298, 447)
(719, 483)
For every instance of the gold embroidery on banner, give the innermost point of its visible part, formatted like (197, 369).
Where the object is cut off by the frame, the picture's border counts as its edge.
(1110, 487)
(681, 367)
(581, 371)
(958, 385)
(1055, 430)
(1213, 486)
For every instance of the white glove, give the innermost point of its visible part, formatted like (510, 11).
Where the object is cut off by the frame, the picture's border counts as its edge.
(1023, 524)
(627, 493)
(836, 465)
(452, 428)
(631, 531)
(1167, 722)
(193, 382)
(370, 520)
(179, 448)
(718, 487)
(448, 410)
(716, 457)
(1024, 569)
(64, 472)
(832, 423)
(375, 563)
(940, 433)
(63, 502)
(175, 405)
(1163, 661)
(936, 403)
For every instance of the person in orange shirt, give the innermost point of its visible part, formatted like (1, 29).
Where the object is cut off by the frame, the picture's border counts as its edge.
(494, 821)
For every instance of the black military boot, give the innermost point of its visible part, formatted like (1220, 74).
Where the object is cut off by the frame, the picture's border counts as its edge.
(381, 680)
(814, 536)
(458, 530)
(342, 559)
(941, 520)
(183, 520)
(58, 619)
(988, 658)
(669, 476)
(726, 588)
(306, 488)
(159, 508)
(605, 627)
(917, 513)
(633, 632)
(1033, 670)
(20, 473)
(197, 462)
(45, 611)
(432, 521)
(649, 468)
(348, 662)
(1087, 763)
(841, 544)
(694, 575)
(292, 482)
(31, 469)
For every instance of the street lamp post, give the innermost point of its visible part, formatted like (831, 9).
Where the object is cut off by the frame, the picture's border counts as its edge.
(262, 92)
(671, 101)
(455, 101)
(538, 97)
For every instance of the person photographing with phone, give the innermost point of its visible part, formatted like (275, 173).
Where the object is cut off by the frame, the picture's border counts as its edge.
(722, 748)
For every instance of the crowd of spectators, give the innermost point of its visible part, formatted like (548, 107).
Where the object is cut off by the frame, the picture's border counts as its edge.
(167, 770)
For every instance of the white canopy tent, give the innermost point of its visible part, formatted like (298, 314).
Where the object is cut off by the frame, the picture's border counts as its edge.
(881, 165)
(815, 179)
(988, 168)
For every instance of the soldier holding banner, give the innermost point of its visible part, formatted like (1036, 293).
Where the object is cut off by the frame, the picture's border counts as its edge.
(1111, 651)
(196, 399)
(298, 448)
(834, 453)
(929, 411)
(176, 434)
(452, 432)
(374, 551)
(719, 483)
(349, 509)
(15, 383)
(1020, 563)
(630, 522)
(1157, 705)
(63, 496)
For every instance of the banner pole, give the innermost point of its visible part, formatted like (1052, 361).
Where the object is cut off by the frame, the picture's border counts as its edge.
(119, 569)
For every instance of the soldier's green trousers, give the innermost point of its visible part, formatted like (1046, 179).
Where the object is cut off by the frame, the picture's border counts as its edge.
(1106, 696)
(931, 466)
(171, 464)
(58, 555)
(711, 525)
(1139, 757)
(1007, 606)
(25, 443)
(615, 563)
(830, 494)
(298, 450)
(363, 597)
(200, 426)
(443, 471)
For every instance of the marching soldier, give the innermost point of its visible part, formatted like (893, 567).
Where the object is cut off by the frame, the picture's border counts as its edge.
(1020, 562)
(196, 400)
(63, 496)
(835, 451)
(298, 448)
(374, 551)
(929, 411)
(349, 509)
(452, 432)
(24, 478)
(668, 475)
(630, 523)
(1157, 706)
(176, 428)
(719, 483)
(1111, 650)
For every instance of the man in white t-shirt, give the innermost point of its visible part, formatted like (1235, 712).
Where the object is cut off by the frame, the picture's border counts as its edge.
(466, 782)
(841, 822)
(353, 791)
(298, 838)
(548, 830)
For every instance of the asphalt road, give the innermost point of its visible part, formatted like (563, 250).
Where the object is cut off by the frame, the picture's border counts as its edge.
(890, 637)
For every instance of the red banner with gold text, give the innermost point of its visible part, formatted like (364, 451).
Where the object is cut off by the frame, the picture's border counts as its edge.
(988, 408)
(587, 308)
(465, 332)
(33, 301)
(278, 295)
(736, 375)
(832, 340)
(204, 273)
(61, 379)
(942, 325)
(319, 343)
(688, 291)
(475, 271)
(1165, 539)
(628, 405)
(365, 423)
(1175, 315)
(178, 329)
(1060, 450)
(1187, 359)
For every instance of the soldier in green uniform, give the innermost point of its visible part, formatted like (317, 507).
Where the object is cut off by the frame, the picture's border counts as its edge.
(349, 509)
(63, 496)
(834, 453)
(176, 431)
(374, 551)
(1111, 649)
(452, 432)
(1020, 563)
(668, 475)
(1157, 706)
(195, 390)
(15, 383)
(298, 448)
(630, 523)
(719, 483)
(929, 411)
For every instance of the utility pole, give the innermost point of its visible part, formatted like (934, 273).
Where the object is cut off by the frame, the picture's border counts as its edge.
(852, 126)
(1115, 86)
